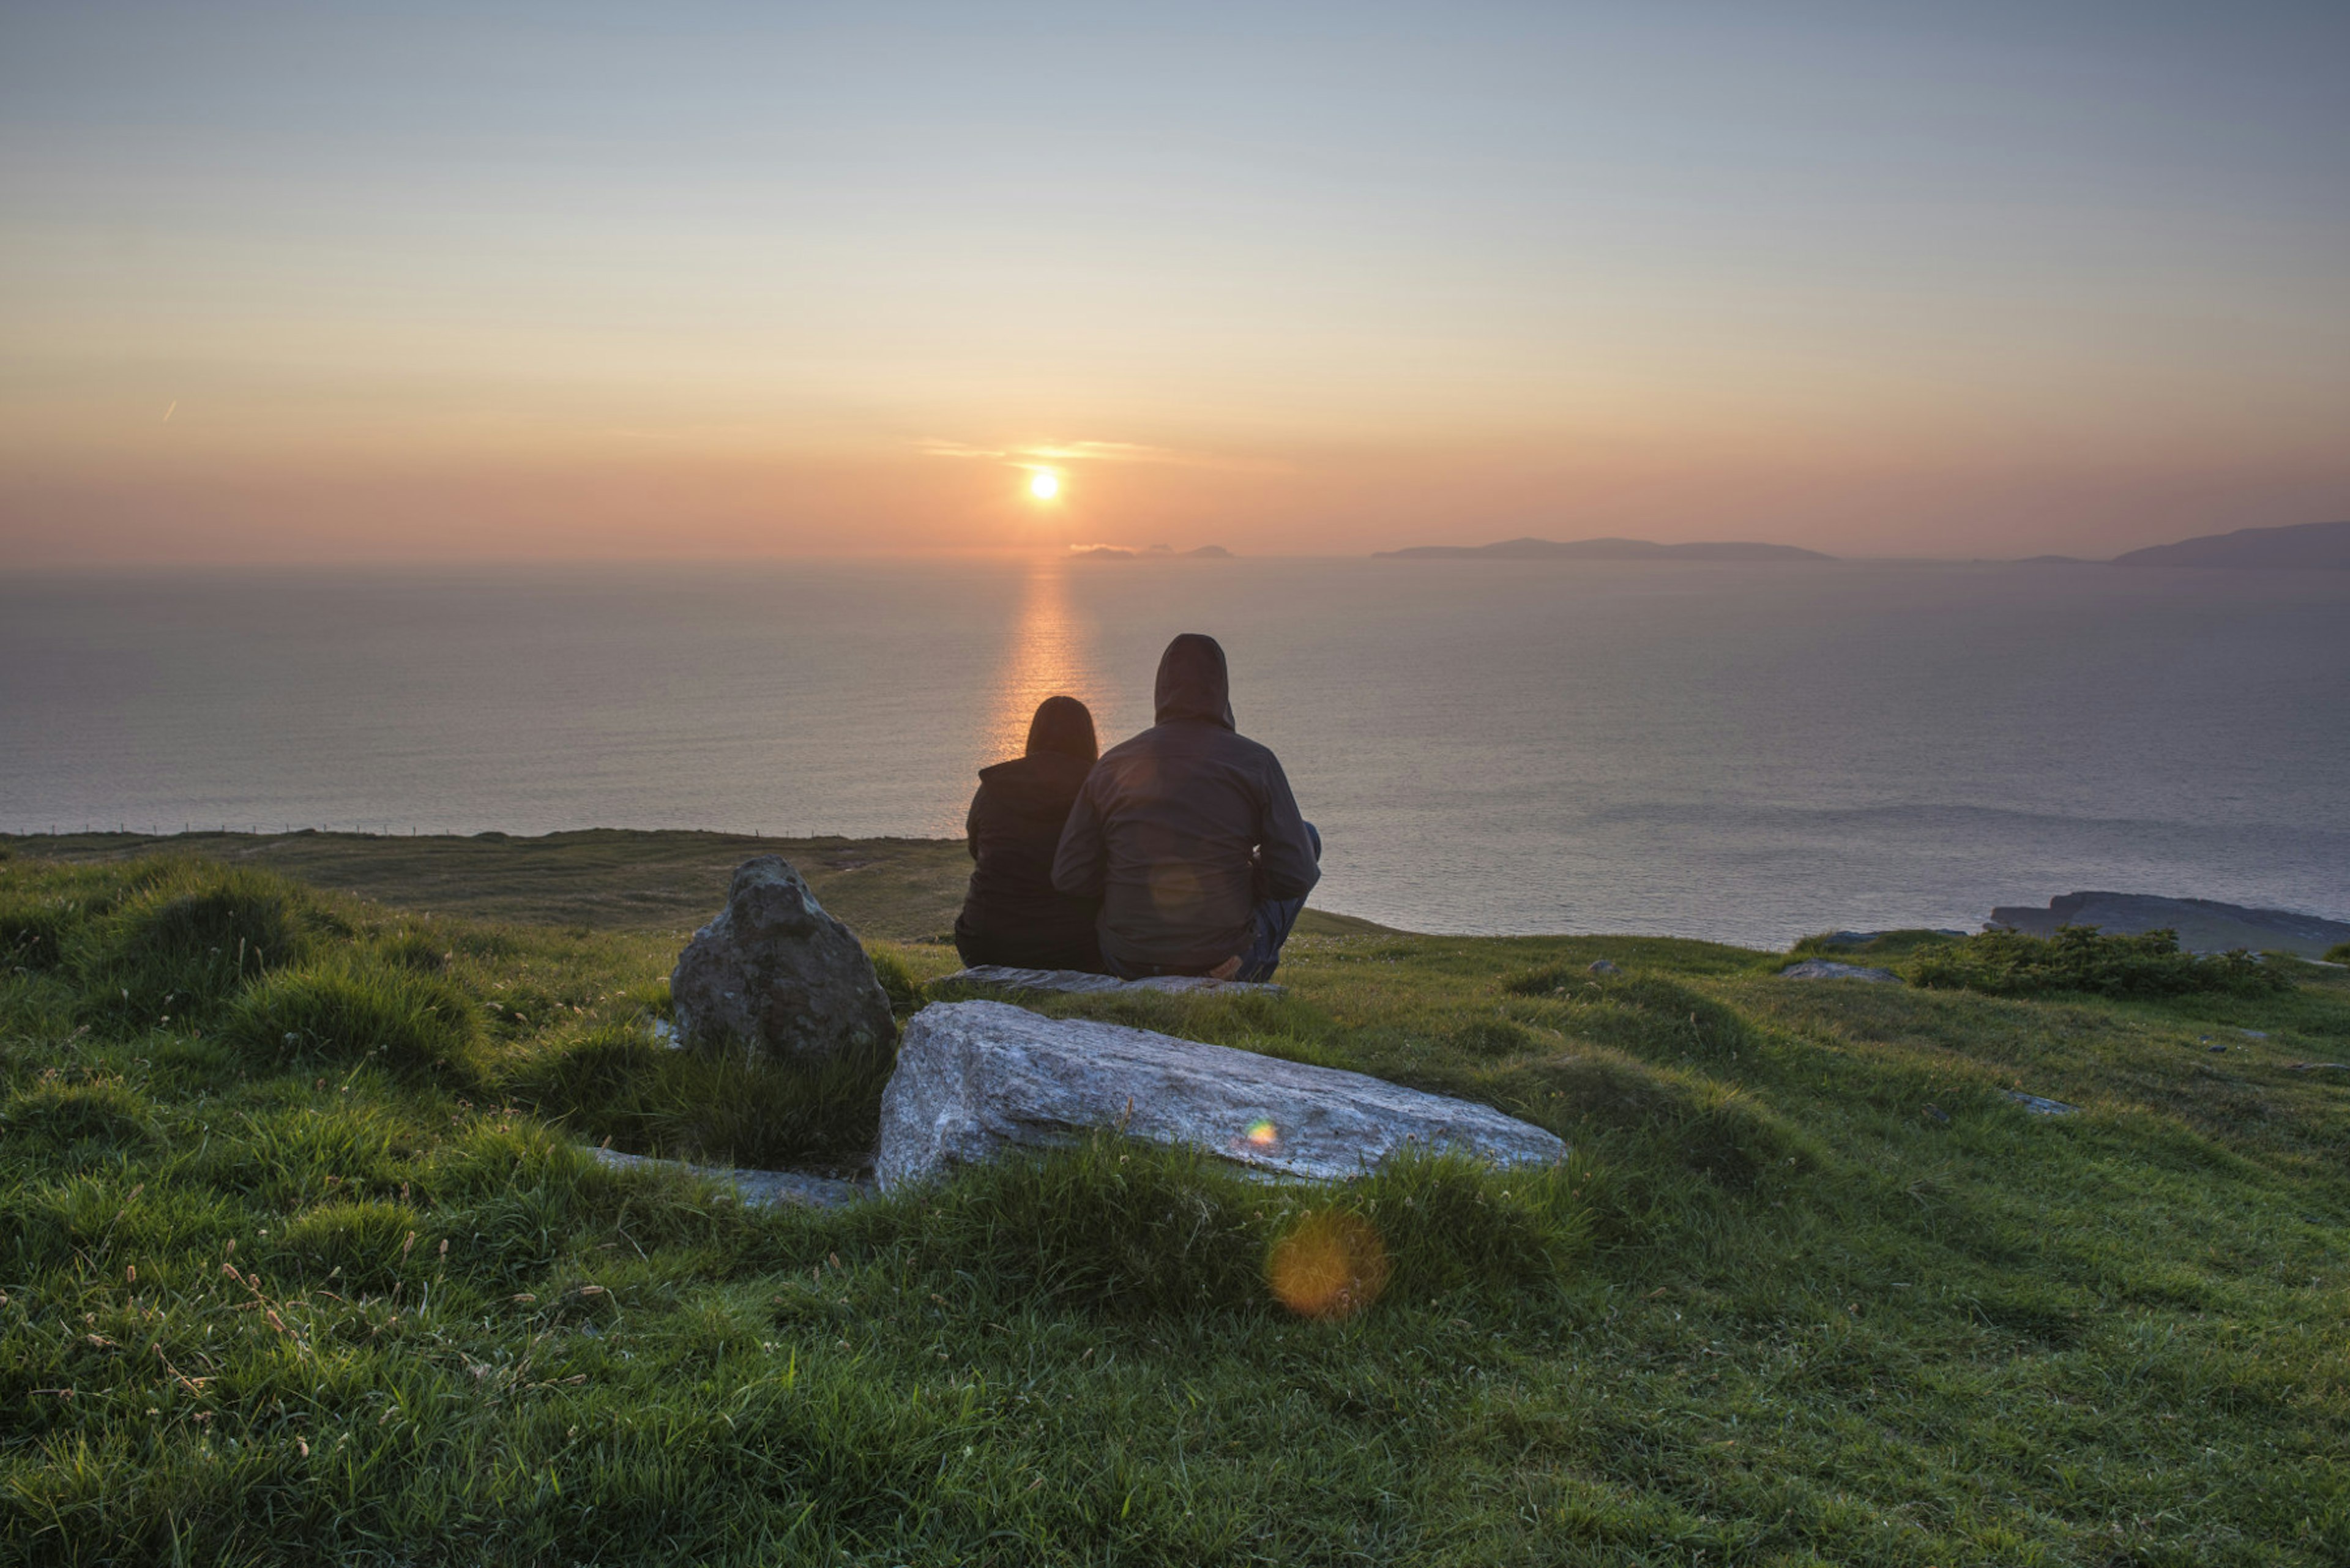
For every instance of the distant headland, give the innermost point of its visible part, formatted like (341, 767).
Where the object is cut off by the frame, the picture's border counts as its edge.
(2302, 545)
(1602, 550)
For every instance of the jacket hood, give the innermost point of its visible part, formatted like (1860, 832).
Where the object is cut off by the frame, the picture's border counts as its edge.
(1063, 726)
(1193, 682)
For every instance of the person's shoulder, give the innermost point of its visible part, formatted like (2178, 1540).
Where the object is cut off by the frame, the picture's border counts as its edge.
(1136, 745)
(1256, 751)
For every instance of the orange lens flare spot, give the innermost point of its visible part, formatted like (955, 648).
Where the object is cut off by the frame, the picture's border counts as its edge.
(1261, 1134)
(1330, 1265)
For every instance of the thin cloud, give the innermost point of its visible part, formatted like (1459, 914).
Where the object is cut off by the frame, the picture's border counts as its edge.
(1030, 457)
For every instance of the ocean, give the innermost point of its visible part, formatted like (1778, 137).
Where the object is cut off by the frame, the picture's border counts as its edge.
(1738, 751)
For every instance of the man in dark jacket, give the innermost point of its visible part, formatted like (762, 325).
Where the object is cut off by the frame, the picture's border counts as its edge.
(1189, 836)
(1012, 914)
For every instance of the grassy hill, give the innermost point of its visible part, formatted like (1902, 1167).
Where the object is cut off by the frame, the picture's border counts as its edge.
(300, 1261)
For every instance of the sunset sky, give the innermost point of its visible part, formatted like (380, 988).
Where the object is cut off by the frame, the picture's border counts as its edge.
(340, 283)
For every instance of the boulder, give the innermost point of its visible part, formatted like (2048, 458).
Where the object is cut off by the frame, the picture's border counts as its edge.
(1825, 969)
(1079, 983)
(777, 976)
(976, 1078)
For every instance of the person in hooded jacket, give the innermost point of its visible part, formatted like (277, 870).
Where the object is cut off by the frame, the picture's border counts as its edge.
(1188, 836)
(1013, 914)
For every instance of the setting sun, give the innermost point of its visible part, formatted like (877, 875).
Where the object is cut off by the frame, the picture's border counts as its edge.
(1045, 485)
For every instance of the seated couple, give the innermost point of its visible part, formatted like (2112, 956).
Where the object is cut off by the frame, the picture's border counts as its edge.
(1179, 852)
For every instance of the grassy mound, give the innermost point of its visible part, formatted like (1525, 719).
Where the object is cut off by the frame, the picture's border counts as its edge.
(185, 941)
(2084, 959)
(349, 1014)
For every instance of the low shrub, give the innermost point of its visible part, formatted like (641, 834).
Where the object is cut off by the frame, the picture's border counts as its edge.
(406, 1023)
(2084, 959)
(184, 945)
(2338, 953)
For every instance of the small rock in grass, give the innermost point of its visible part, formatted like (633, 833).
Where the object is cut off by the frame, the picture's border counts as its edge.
(1601, 966)
(759, 1188)
(1935, 1113)
(1078, 983)
(2039, 1106)
(1820, 969)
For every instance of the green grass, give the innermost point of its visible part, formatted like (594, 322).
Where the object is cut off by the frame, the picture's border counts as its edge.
(1814, 1289)
(2084, 959)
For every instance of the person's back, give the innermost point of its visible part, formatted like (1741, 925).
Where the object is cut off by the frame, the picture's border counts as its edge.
(1013, 914)
(1188, 836)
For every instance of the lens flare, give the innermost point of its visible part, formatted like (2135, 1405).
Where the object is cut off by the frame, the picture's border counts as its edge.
(1262, 1134)
(1330, 1265)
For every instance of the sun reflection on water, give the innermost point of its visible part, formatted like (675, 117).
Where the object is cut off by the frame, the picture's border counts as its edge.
(1047, 657)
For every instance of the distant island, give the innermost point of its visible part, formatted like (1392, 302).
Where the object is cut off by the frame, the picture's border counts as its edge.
(1164, 551)
(2302, 545)
(1602, 550)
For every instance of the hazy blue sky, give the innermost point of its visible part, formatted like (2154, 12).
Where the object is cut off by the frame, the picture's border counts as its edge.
(340, 281)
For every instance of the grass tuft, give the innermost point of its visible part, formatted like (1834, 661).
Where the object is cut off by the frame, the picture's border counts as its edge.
(362, 1245)
(898, 983)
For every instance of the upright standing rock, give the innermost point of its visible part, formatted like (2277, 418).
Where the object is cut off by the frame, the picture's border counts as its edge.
(774, 975)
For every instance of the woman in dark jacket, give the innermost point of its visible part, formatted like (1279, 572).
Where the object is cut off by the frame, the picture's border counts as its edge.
(1013, 915)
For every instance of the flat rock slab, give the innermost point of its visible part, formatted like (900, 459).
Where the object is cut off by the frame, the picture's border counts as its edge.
(759, 1188)
(977, 1078)
(2041, 1107)
(1078, 982)
(1822, 969)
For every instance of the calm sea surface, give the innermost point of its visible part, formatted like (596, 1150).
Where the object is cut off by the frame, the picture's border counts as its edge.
(1723, 751)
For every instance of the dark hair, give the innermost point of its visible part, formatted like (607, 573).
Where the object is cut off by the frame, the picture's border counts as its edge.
(1062, 724)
